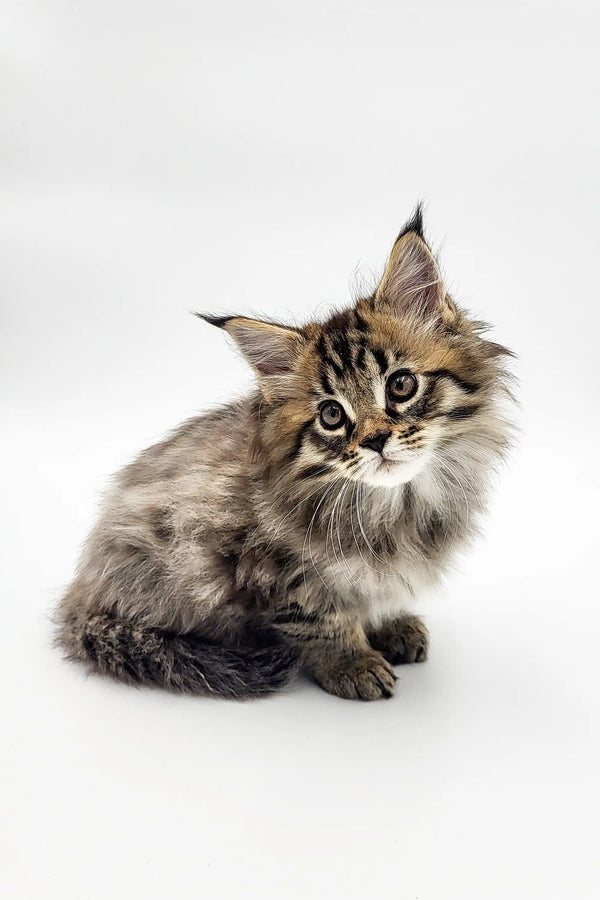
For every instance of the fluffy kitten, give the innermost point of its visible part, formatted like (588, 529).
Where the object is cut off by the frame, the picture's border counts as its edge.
(292, 527)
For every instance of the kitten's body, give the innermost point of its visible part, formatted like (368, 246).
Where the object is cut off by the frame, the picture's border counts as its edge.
(254, 539)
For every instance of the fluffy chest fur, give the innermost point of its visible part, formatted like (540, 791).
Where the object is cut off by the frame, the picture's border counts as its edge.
(376, 548)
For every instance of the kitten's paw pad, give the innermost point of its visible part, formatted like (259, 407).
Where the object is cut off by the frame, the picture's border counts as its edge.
(364, 677)
(403, 640)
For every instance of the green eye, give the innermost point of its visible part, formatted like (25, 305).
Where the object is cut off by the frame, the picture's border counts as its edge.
(332, 414)
(401, 386)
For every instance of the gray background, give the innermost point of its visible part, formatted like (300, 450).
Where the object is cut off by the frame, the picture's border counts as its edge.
(159, 157)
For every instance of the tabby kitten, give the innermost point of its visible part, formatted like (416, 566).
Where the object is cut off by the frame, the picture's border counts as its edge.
(293, 527)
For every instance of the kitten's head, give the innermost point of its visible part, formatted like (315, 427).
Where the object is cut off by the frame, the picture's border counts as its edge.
(383, 390)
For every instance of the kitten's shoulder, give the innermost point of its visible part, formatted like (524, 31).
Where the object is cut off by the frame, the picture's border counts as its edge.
(200, 441)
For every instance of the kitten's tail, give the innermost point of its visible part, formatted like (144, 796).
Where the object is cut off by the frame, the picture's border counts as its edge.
(183, 663)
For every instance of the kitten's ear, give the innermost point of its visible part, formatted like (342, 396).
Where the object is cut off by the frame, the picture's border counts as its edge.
(412, 280)
(270, 349)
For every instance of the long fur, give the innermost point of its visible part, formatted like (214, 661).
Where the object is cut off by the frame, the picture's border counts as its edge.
(254, 540)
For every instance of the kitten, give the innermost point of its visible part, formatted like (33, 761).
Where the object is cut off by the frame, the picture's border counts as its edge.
(291, 528)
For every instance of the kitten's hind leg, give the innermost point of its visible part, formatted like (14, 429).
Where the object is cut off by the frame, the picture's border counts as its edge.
(404, 639)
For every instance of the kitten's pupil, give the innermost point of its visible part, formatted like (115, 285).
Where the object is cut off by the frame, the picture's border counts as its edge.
(332, 414)
(402, 386)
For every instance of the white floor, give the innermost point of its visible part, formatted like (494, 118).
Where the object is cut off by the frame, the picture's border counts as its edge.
(165, 157)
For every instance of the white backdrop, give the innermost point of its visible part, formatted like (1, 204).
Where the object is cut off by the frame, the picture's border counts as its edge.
(159, 157)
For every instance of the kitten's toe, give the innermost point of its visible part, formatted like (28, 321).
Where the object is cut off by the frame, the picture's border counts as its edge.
(402, 640)
(367, 676)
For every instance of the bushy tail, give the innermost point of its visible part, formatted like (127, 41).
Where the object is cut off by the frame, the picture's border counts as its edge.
(182, 663)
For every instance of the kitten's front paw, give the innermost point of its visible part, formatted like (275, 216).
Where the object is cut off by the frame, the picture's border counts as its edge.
(402, 640)
(365, 676)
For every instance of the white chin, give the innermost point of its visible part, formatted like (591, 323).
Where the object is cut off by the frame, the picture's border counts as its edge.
(390, 473)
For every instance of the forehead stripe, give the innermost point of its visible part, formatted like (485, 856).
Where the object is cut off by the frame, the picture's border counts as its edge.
(335, 367)
(327, 360)
(341, 346)
(325, 382)
(360, 357)
(380, 359)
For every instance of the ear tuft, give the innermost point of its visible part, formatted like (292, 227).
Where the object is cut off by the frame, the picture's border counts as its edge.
(415, 223)
(218, 321)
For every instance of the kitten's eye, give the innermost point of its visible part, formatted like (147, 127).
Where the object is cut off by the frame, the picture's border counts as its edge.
(332, 414)
(401, 386)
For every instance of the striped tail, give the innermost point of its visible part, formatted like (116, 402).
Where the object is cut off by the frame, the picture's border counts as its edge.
(184, 663)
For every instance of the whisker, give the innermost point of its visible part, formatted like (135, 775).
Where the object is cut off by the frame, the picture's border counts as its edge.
(307, 537)
(355, 577)
(330, 534)
(292, 510)
(353, 502)
(360, 524)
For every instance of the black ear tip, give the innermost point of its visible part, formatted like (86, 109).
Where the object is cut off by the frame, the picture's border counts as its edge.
(217, 321)
(415, 223)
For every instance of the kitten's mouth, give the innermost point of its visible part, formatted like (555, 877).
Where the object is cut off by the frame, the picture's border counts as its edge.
(390, 472)
(385, 467)
(388, 465)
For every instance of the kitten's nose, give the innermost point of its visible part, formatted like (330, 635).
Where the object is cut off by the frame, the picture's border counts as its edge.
(376, 441)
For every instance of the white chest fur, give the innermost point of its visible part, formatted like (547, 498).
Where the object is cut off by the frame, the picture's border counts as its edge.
(379, 591)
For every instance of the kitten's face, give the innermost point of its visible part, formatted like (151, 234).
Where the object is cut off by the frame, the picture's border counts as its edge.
(382, 391)
(383, 395)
